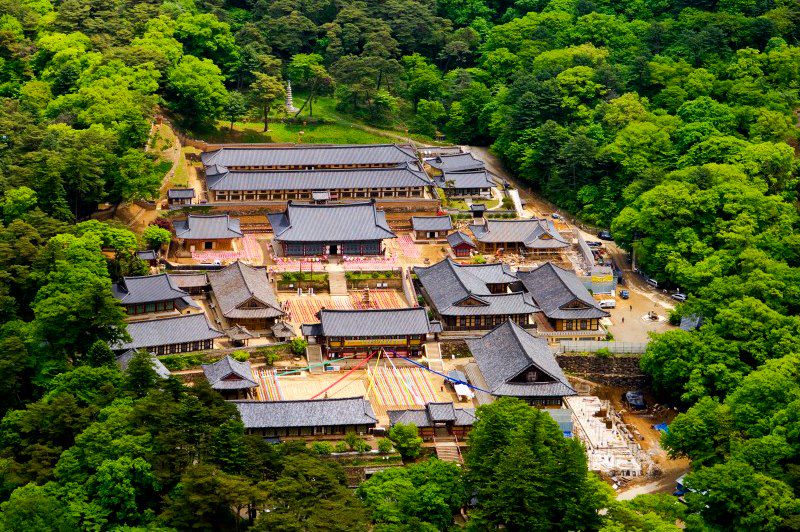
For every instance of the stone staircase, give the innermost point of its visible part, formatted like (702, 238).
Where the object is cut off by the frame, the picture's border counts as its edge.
(314, 357)
(434, 355)
(337, 283)
(447, 450)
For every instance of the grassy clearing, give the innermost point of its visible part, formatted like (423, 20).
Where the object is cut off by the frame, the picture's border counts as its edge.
(327, 126)
(280, 132)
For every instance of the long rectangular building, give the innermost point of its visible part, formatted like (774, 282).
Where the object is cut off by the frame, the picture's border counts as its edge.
(360, 331)
(181, 334)
(231, 186)
(308, 157)
(307, 418)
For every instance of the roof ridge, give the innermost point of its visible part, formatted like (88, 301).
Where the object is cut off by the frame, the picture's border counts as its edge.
(370, 309)
(144, 276)
(329, 205)
(298, 400)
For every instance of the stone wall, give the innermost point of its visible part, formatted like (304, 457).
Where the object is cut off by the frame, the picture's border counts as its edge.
(619, 370)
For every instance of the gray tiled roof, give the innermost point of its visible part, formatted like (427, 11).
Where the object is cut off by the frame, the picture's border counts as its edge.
(125, 358)
(533, 233)
(189, 280)
(441, 412)
(310, 413)
(283, 329)
(311, 329)
(207, 227)
(180, 193)
(237, 284)
(147, 254)
(508, 350)
(168, 331)
(310, 155)
(146, 289)
(369, 178)
(555, 289)
(455, 163)
(375, 322)
(479, 179)
(448, 284)
(421, 417)
(454, 239)
(240, 333)
(347, 222)
(229, 374)
(431, 223)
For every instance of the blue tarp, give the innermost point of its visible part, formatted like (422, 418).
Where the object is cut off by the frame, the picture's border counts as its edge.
(662, 427)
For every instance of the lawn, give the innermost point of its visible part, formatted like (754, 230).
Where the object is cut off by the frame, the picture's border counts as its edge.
(327, 126)
(307, 134)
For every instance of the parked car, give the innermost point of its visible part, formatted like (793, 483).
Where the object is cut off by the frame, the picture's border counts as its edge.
(605, 235)
(556, 216)
(677, 296)
(635, 400)
(594, 244)
(608, 303)
(624, 294)
(652, 282)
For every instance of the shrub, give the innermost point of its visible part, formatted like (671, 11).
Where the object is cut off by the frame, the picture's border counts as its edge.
(270, 354)
(479, 259)
(376, 275)
(603, 352)
(155, 237)
(351, 439)
(321, 448)
(241, 356)
(341, 447)
(406, 440)
(298, 346)
(288, 277)
(508, 204)
(362, 446)
(384, 446)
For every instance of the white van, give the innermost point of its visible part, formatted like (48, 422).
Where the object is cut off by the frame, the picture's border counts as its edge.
(608, 303)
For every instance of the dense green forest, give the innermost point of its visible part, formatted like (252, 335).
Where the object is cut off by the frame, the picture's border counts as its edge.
(672, 122)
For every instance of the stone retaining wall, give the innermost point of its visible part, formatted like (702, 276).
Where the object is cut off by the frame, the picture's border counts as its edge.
(612, 371)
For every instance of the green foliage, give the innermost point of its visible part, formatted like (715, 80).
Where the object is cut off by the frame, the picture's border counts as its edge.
(100, 354)
(241, 356)
(424, 495)
(156, 237)
(385, 446)
(513, 451)
(271, 354)
(406, 440)
(298, 346)
(321, 448)
(341, 447)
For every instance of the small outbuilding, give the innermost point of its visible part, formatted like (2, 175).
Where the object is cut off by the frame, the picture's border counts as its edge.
(218, 232)
(231, 378)
(431, 227)
(180, 196)
(461, 244)
(283, 330)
